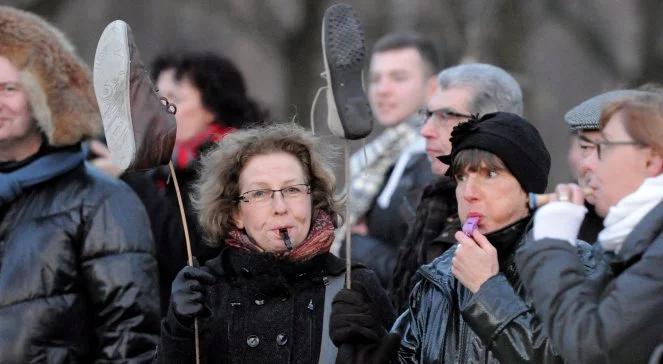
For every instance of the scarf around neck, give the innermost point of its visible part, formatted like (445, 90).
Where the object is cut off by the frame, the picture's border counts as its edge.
(38, 171)
(318, 240)
(185, 152)
(628, 212)
(369, 166)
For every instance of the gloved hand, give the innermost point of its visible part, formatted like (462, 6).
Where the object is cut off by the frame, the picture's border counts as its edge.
(187, 297)
(381, 352)
(353, 317)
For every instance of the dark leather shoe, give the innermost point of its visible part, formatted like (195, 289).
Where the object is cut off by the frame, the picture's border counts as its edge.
(139, 125)
(348, 111)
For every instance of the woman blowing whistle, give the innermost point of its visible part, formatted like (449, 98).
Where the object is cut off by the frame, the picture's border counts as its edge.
(616, 316)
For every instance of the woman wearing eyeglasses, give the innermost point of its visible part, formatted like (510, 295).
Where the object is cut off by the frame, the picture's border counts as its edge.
(614, 317)
(267, 195)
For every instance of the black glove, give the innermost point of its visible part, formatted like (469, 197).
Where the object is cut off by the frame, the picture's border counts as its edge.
(187, 297)
(353, 317)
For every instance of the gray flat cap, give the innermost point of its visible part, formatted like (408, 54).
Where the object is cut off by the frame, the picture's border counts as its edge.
(586, 116)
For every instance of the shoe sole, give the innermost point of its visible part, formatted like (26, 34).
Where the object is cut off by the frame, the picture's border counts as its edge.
(111, 86)
(343, 53)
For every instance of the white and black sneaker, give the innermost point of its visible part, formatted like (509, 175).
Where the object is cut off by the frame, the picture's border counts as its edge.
(139, 126)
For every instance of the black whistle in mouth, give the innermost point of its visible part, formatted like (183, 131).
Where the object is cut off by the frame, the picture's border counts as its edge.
(286, 239)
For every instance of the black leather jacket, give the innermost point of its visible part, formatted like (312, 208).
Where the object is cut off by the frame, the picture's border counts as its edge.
(446, 323)
(78, 280)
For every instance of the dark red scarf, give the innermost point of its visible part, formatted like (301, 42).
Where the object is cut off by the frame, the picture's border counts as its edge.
(318, 241)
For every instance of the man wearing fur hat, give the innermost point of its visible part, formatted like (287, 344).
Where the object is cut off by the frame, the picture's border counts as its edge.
(78, 276)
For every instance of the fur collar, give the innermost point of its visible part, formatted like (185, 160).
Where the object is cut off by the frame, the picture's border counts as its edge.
(57, 81)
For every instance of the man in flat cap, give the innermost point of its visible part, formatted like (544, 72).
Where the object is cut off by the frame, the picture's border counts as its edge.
(583, 122)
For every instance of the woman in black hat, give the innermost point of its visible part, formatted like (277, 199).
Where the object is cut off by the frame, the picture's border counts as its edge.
(470, 305)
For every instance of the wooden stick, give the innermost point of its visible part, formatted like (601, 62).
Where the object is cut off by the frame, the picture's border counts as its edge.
(348, 228)
(188, 251)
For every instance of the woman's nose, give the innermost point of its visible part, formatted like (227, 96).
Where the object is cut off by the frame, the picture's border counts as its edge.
(471, 189)
(278, 203)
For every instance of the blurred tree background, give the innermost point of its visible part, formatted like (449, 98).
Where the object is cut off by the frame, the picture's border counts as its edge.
(561, 51)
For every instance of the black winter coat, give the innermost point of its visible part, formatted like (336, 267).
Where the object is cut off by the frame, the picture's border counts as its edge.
(387, 226)
(264, 310)
(446, 323)
(430, 235)
(615, 317)
(156, 190)
(78, 281)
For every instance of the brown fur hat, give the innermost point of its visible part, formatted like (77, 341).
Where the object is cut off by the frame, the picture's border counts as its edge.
(57, 82)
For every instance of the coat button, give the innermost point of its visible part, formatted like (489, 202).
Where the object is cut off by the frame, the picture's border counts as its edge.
(281, 339)
(260, 299)
(252, 341)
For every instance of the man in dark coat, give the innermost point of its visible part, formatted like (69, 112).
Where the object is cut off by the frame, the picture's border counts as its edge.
(402, 76)
(462, 90)
(614, 317)
(78, 276)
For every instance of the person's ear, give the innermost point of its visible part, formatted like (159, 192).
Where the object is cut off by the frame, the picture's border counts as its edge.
(654, 164)
(237, 218)
(431, 86)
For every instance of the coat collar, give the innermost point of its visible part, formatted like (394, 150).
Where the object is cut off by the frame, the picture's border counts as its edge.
(230, 263)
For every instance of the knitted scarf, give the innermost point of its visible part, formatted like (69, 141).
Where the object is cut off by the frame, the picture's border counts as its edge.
(319, 239)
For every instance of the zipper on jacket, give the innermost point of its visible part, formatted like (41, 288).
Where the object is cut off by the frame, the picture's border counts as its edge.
(310, 328)
(463, 342)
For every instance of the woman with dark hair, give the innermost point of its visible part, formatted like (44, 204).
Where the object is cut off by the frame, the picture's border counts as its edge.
(614, 317)
(266, 195)
(211, 101)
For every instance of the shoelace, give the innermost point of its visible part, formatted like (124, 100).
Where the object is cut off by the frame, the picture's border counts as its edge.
(171, 108)
(323, 75)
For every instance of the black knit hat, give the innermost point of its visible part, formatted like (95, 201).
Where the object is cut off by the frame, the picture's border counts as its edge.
(510, 137)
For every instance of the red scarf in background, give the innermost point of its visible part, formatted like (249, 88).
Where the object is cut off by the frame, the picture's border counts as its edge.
(318, 241)
(188, 151)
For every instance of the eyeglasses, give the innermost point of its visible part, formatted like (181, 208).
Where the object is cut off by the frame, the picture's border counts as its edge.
(587, 145)
(602, 144)
(9, 89)
(441, 115)
(265, 195)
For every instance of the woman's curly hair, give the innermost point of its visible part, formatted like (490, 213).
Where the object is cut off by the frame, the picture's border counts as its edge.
(217, 188)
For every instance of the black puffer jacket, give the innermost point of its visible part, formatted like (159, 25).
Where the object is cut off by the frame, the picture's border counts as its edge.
(446, 323)
(264, 310)
(78, 280)
(614, 317)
